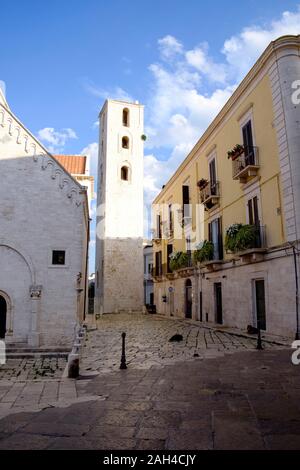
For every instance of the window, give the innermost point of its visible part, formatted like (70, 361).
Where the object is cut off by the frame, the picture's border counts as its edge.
(125, 142)
(215, 236)
(124, 173)
(126, 117)
(58, 257)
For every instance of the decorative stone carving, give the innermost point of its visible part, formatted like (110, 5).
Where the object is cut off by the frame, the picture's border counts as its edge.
(35, 292)
(31, 146)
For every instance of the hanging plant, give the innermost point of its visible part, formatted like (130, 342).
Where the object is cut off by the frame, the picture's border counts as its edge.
(144, 137)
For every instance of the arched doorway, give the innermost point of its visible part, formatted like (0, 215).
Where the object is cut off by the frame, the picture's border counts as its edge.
(188, 299)
(3, 312)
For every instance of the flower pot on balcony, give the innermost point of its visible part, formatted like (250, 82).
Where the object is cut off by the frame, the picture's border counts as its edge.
(202, 183)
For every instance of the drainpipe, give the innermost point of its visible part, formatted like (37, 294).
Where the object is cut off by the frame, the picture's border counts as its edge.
(297, 336)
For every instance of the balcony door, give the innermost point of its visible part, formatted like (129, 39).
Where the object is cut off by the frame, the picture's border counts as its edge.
(158, 263)
(253, 213)
(215, 236)
(186, 200)
(213, 177)
(169, 252)
(248, 143)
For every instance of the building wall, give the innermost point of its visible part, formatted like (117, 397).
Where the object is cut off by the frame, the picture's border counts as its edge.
(264, 96)
(42, 209)
(238, 294)
(119, 248)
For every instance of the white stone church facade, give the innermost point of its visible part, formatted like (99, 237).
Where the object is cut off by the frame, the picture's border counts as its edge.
(44, 233)
(119, 244)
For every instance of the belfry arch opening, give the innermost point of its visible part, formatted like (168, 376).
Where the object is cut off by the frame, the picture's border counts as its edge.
(125, 142)
(126, 117)
(124, 173)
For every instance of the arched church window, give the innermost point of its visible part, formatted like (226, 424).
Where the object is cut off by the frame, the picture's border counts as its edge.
(126, 117)
(125, 142)
(124, 173)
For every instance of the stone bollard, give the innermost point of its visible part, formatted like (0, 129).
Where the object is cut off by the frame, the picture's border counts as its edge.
(73, 366)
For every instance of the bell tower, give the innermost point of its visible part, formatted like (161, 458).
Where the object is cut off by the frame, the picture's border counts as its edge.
(119, 243)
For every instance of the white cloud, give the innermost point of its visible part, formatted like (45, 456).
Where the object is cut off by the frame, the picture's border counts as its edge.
(56, 140)
(115, 93)
(189, 88)
(242, 50)
(169, 47)
(201, 61)
(91, 151)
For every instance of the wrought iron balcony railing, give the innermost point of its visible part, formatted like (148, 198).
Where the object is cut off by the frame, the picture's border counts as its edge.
(210, 194)
(246, 164)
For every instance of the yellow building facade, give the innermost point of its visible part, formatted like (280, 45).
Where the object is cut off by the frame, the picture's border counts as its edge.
(233, 208)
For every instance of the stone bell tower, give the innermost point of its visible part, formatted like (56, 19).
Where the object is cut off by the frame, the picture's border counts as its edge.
(119, 245)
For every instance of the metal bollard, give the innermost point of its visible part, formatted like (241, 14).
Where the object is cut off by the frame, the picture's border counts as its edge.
(259, 342)
(123, 357)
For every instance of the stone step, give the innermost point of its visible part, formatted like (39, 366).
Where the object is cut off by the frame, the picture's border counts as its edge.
(34, 354)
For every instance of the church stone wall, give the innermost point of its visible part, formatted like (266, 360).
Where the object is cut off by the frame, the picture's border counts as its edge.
(42, 209)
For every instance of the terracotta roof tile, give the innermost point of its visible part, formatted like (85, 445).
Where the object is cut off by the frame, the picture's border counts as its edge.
(74, 164)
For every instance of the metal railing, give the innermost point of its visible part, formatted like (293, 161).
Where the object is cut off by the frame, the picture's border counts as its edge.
(210, 190)
(248, 158)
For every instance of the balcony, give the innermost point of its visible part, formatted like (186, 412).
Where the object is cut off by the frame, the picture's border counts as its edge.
(247, 242)
(245, 165)
(210, 194)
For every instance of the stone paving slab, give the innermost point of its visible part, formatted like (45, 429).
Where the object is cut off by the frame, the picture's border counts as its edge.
(213, 390)
(185, 407)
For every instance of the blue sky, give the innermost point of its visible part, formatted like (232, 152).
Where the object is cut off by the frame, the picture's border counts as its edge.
(182, 59)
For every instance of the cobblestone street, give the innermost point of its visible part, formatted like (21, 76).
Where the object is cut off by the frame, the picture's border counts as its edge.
(148, 342)
(213, 390)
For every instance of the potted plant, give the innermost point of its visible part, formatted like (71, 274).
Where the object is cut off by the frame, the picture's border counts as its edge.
(204, 252)
(202, 183)
(246, 237)
(240, 237)
(230, 238)
(235, 152)
(178, 260)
